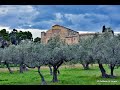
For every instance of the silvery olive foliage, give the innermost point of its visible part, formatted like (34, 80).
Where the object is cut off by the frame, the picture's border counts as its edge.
(1, 55)
(10, 55)
(100, 47)
(59, 51)
(21, 51)
(83, 50)
(106, 51)
(62, 53)
(37, 55)
(112, 51)
(29, 53)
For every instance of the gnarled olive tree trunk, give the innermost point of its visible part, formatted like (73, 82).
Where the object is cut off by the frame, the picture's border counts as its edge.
(55, 79)
(112, 66)
(42, 78)
(7, 65)
(23, 68)
(51, 71)
(104, 75)
(85, 66)
(55, 70)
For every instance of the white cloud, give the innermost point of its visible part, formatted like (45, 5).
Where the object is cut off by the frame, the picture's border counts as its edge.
(16, 9)
(117, 30)
(58, 20)
(58, 15)
(3, 27)
(16, 15)
(88, 21)
(116, 33)
(82, 32)
(87, 17)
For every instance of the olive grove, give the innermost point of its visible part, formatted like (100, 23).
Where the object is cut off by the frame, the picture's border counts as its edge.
(100, 49)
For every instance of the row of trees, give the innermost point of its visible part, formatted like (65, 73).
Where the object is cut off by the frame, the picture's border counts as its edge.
(100, 49)
(16, 36)
(35, 55)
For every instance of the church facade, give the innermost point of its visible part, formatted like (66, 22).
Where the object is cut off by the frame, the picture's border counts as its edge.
(67, 35)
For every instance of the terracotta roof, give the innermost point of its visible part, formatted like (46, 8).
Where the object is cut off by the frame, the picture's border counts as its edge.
(64, 27)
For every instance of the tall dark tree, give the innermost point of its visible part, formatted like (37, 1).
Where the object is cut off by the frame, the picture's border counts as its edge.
(103, 28)
(13, 37)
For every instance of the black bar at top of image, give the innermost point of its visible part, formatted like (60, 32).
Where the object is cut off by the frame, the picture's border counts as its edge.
(59, 2)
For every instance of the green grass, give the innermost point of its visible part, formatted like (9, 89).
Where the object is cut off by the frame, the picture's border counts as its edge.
(69, 75)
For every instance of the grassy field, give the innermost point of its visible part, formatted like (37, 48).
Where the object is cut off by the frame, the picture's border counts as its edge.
(69, 75)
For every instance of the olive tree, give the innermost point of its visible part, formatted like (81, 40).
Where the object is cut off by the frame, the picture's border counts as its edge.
(59, 55)
(52, 43)
(112, 53)
(84, 52)
(99, 51)
(14, 55)
(22, 49)
(37, 55)
(9, 56)
(27, 53)
(59, 52)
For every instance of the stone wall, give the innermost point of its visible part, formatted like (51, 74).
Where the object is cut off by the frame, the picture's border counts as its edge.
(66, 34)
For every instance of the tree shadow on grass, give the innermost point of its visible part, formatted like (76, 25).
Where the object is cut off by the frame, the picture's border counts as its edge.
(91, 69)
(3, 80)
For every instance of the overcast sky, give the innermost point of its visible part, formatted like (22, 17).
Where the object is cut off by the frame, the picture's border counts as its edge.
(77, 17)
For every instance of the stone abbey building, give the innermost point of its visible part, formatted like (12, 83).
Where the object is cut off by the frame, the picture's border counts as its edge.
(67, 35)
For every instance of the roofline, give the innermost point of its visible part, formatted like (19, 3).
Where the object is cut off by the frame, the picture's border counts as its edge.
(64, 27)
